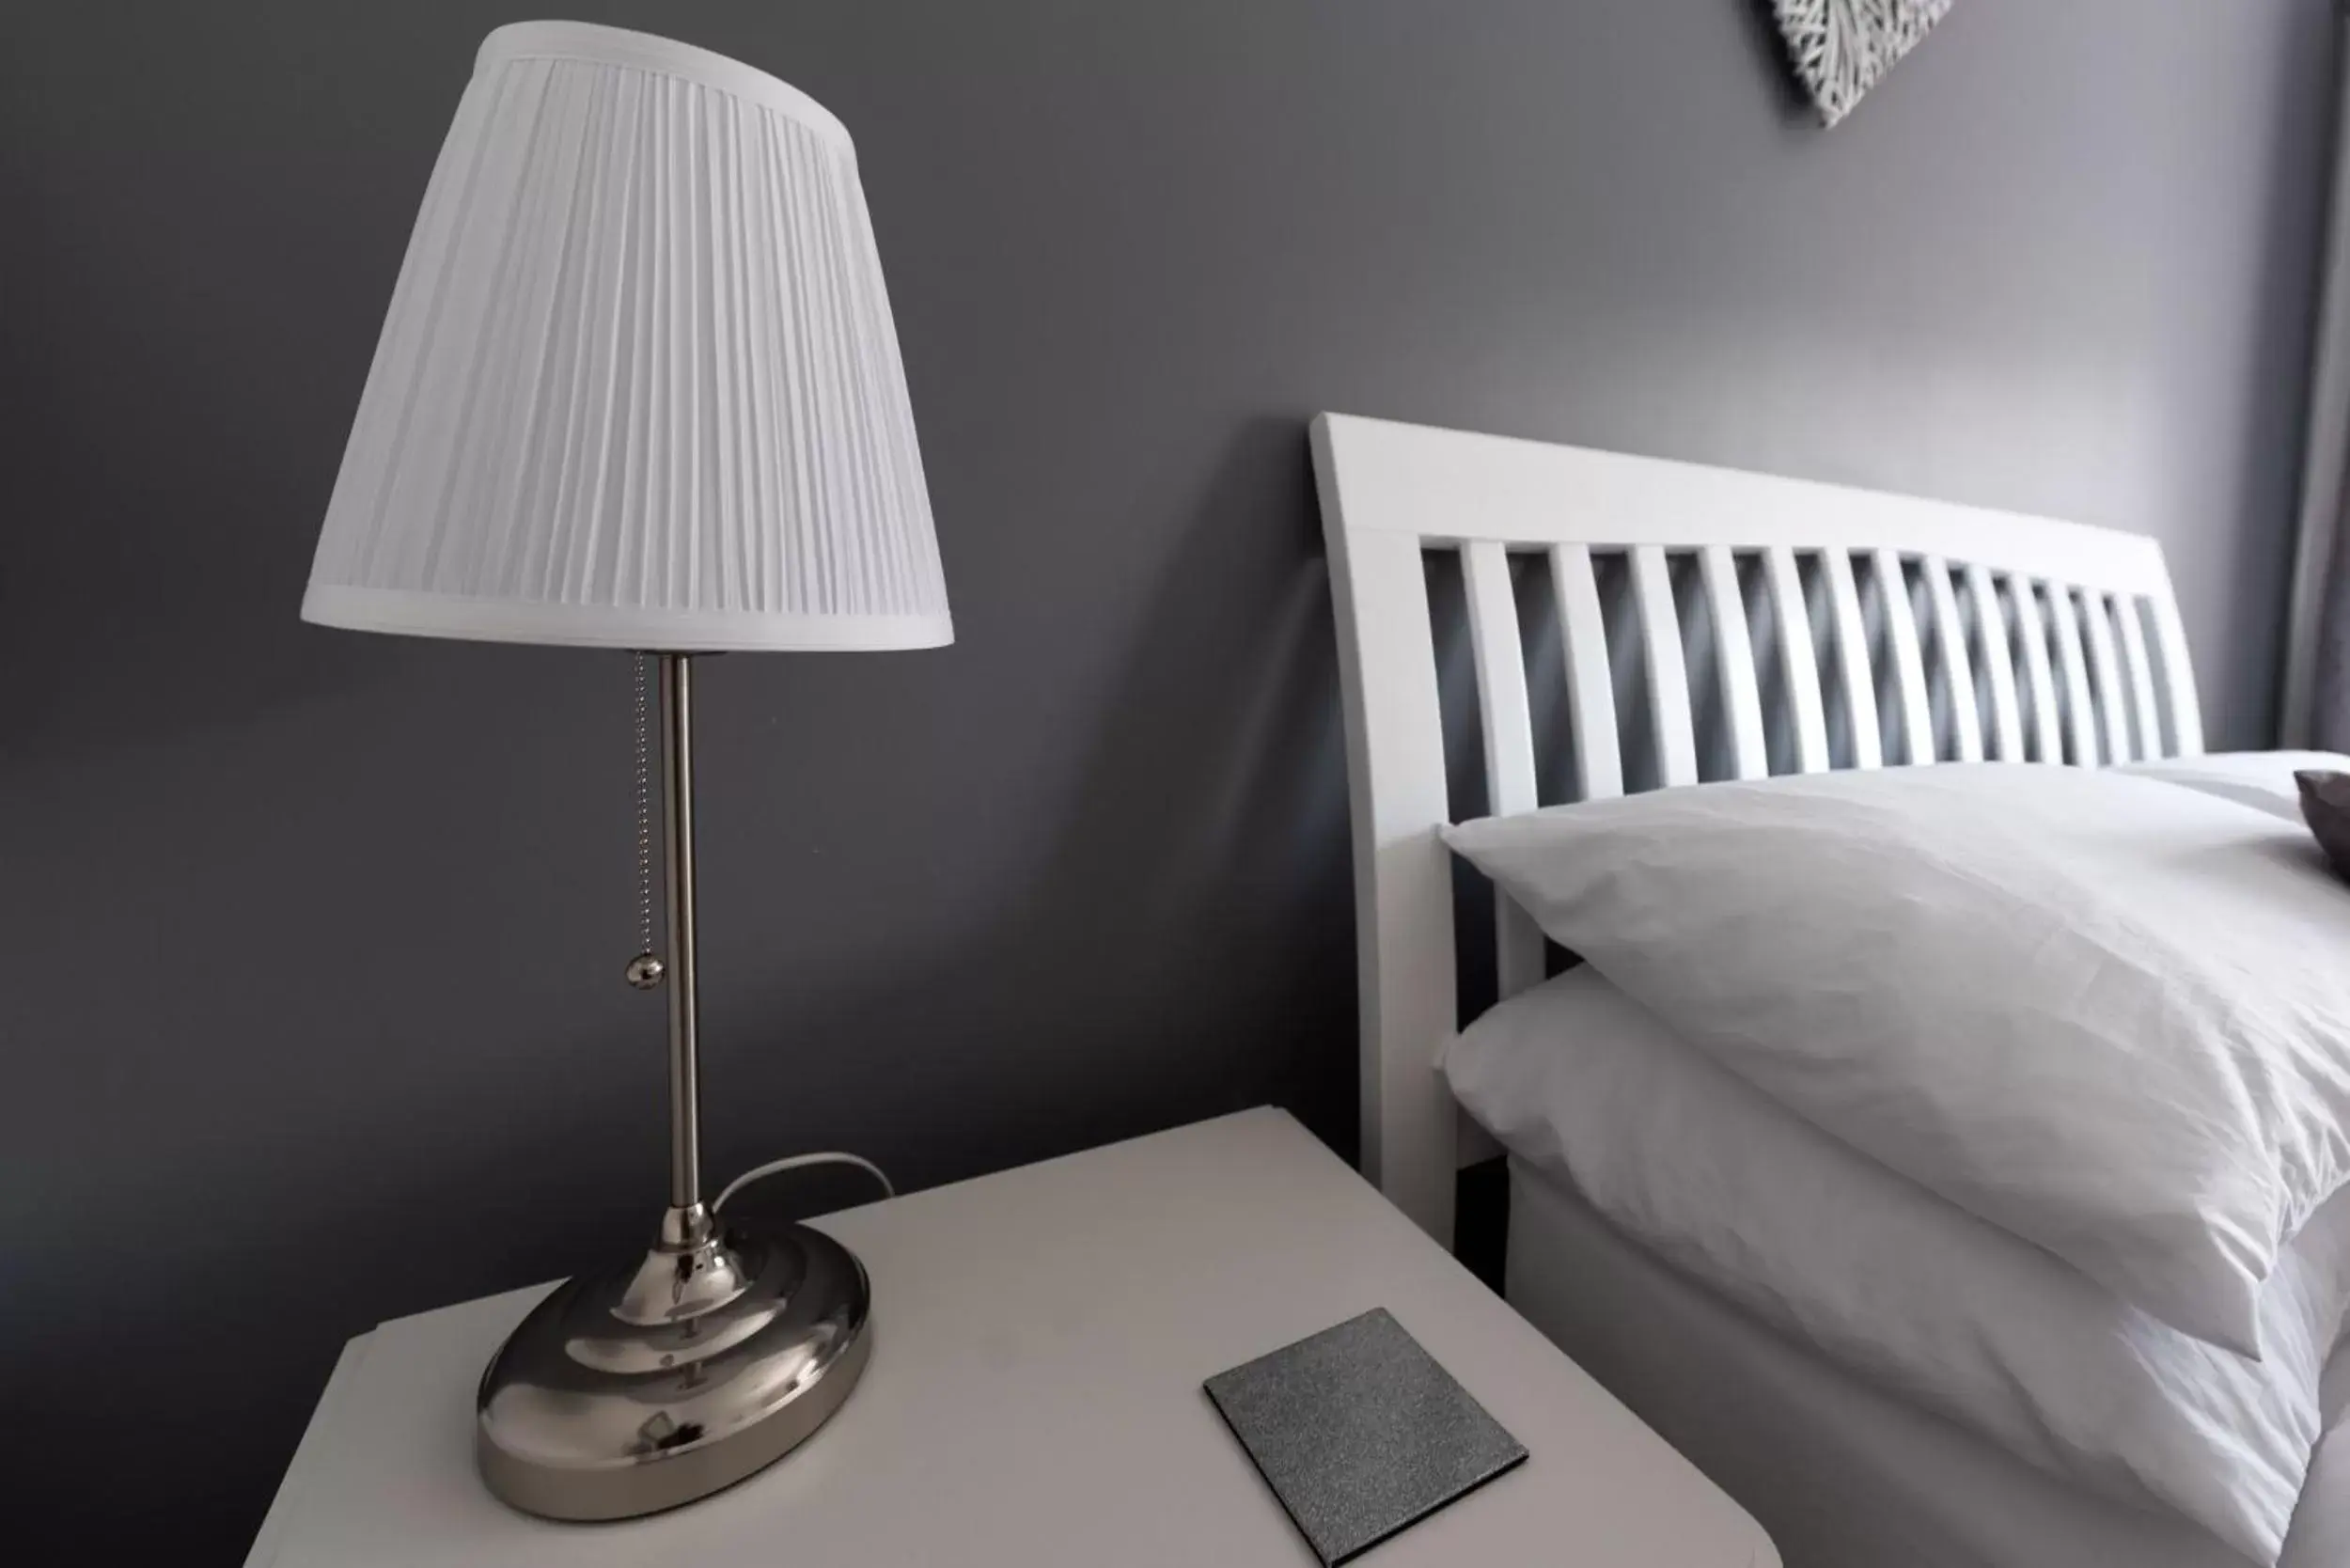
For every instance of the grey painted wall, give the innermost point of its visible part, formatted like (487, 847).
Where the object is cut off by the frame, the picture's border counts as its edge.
(313, 1012)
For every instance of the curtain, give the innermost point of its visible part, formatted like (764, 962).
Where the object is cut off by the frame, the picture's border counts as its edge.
(2315, 710)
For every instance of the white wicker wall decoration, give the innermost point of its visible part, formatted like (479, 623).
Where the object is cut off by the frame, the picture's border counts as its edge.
(1841, 48)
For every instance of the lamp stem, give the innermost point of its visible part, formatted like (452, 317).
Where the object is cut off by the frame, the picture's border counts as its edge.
(677, 819)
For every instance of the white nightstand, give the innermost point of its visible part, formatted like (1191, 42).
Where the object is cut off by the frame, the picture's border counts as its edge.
(1034, 1396)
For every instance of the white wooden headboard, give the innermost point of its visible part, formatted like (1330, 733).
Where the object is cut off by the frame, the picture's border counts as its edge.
(2047, 642)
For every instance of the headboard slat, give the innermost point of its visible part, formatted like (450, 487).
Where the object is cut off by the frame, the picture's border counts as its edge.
(1999, 664)
(1799, 666)
(1509, 726)
(2178, 676)
(1667, 671)
(1909, 664)
(1949, 648)
(1733, 657)
(2106, 672)
(2080, 722)
(1591, 685)
(1500, 677)
(2031, 633)
(2141, 676)
(1852, 658)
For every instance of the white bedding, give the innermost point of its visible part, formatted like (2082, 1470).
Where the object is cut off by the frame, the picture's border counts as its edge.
(1841, 1473)
(1903, 1289)
(2260, 779)
(2102, 1012)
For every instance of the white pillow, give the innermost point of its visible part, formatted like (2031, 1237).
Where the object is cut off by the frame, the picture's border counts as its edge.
(1898, 1287)
(2107, 1013)
(2260, 779)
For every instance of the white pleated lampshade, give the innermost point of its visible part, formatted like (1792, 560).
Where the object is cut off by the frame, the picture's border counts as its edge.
(639, 386)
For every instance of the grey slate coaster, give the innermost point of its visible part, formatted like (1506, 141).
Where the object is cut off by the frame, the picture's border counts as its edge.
(1359, 1432)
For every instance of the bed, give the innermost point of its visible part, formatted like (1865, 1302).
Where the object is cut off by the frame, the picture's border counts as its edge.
(1682, 624)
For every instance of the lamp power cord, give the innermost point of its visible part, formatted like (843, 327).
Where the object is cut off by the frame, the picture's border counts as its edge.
(801, 1162)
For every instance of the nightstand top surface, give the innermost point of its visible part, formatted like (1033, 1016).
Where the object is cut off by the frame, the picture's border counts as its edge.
(1034, 1396)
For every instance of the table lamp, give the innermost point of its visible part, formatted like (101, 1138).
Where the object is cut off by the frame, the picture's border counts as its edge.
(638, 388)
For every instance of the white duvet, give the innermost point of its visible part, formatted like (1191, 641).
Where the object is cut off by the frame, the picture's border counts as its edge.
(1901, 1287)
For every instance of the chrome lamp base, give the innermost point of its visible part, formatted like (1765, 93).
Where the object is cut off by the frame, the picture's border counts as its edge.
(652, 1385)
(647, 1387)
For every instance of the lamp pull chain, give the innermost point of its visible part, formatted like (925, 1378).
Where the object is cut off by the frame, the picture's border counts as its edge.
(645, 971)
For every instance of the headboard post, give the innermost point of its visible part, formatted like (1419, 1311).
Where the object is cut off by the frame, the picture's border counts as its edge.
(1402, 877)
